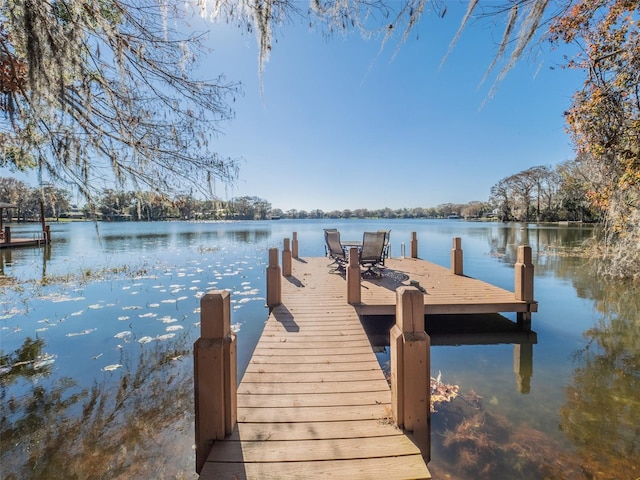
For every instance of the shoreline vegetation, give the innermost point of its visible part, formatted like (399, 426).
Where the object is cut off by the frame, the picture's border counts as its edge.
(538, 194)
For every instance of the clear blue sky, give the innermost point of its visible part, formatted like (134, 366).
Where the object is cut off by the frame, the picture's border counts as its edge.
(341, 125)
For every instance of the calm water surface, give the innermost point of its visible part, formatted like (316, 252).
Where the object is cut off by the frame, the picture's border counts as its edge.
(97, 333)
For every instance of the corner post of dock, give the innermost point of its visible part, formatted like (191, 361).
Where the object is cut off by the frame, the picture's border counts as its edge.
(274, 280)
(215, 374)
(524, 282)
(456, 256)
(410, 368)
(294, 245)
(413, 245)
(354, 294)
(286, 258)
(7, 234)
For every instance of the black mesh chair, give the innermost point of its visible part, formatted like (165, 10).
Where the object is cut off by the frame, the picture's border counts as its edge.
(372, 252)
(334, 250)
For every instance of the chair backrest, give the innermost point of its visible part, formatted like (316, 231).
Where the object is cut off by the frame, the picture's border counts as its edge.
(387, 237)
(372, 246)
(332, 240)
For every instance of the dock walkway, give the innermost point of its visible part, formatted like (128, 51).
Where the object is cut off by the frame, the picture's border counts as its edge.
(314, 402)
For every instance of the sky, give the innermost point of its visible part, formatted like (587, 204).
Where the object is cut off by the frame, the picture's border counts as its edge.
(337, 123)
(340, 125)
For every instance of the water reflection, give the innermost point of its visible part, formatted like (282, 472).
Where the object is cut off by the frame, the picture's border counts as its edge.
(602, 406)
(459, 330)
(63, 430)
(555, 241)
(28, 361)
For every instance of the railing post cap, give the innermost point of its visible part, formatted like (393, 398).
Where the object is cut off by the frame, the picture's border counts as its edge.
(215, 314)
(409, 309)
(524, 254)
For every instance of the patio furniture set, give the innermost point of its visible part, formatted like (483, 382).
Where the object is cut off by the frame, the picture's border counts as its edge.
(372, 250)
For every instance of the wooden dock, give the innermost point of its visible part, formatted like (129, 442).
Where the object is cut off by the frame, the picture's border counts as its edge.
(314, 402)
(7, 240)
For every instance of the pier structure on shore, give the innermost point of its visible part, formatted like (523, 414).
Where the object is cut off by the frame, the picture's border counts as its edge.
(314, 402)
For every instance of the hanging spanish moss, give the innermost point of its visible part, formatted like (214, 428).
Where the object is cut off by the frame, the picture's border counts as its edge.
(100, 90)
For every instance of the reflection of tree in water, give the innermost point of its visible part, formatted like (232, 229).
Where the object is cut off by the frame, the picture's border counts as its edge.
(602, 410)
(26, 362)
(550, 246)
(114, 429)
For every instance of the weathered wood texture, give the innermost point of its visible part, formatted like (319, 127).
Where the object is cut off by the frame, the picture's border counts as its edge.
(314, 402)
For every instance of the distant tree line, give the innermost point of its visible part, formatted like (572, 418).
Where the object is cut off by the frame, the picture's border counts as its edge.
(113, 205)
(538, 194)
(546, 194)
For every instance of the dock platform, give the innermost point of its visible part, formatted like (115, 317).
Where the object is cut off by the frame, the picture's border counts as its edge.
(23, 242)
(314, 402)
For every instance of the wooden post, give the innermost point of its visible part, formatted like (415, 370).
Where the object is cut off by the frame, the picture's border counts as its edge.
(274, 282)
(524, 283)
(410, 368)
(523, 366)
(7, 234)
(456, 256)
(294, 245)
(354, 294)
(286, 259)
(413, 245)
(42, 218)
(47, 234)
(215, 374)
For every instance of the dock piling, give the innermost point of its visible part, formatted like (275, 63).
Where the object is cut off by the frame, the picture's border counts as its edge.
(354, 295)
(456, 256)
(410, 367)
(524, 282)
(413, 245)
(286, 259)
(294, 245)
(215, 374)
(274, 282)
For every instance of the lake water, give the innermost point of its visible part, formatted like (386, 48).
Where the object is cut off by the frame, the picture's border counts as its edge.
(97, 333)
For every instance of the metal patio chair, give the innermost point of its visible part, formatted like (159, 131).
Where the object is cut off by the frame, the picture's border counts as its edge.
(334, 250)
(372, 252)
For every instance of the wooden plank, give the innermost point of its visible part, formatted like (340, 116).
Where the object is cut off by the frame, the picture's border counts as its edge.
(351, 366)
(315, 341)
(313, 399)
(314, 450)
(312, 430)
(327, 358)
(312, 387)
(288, 349)
(391, 468)
(312, 377)
(314, 414)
